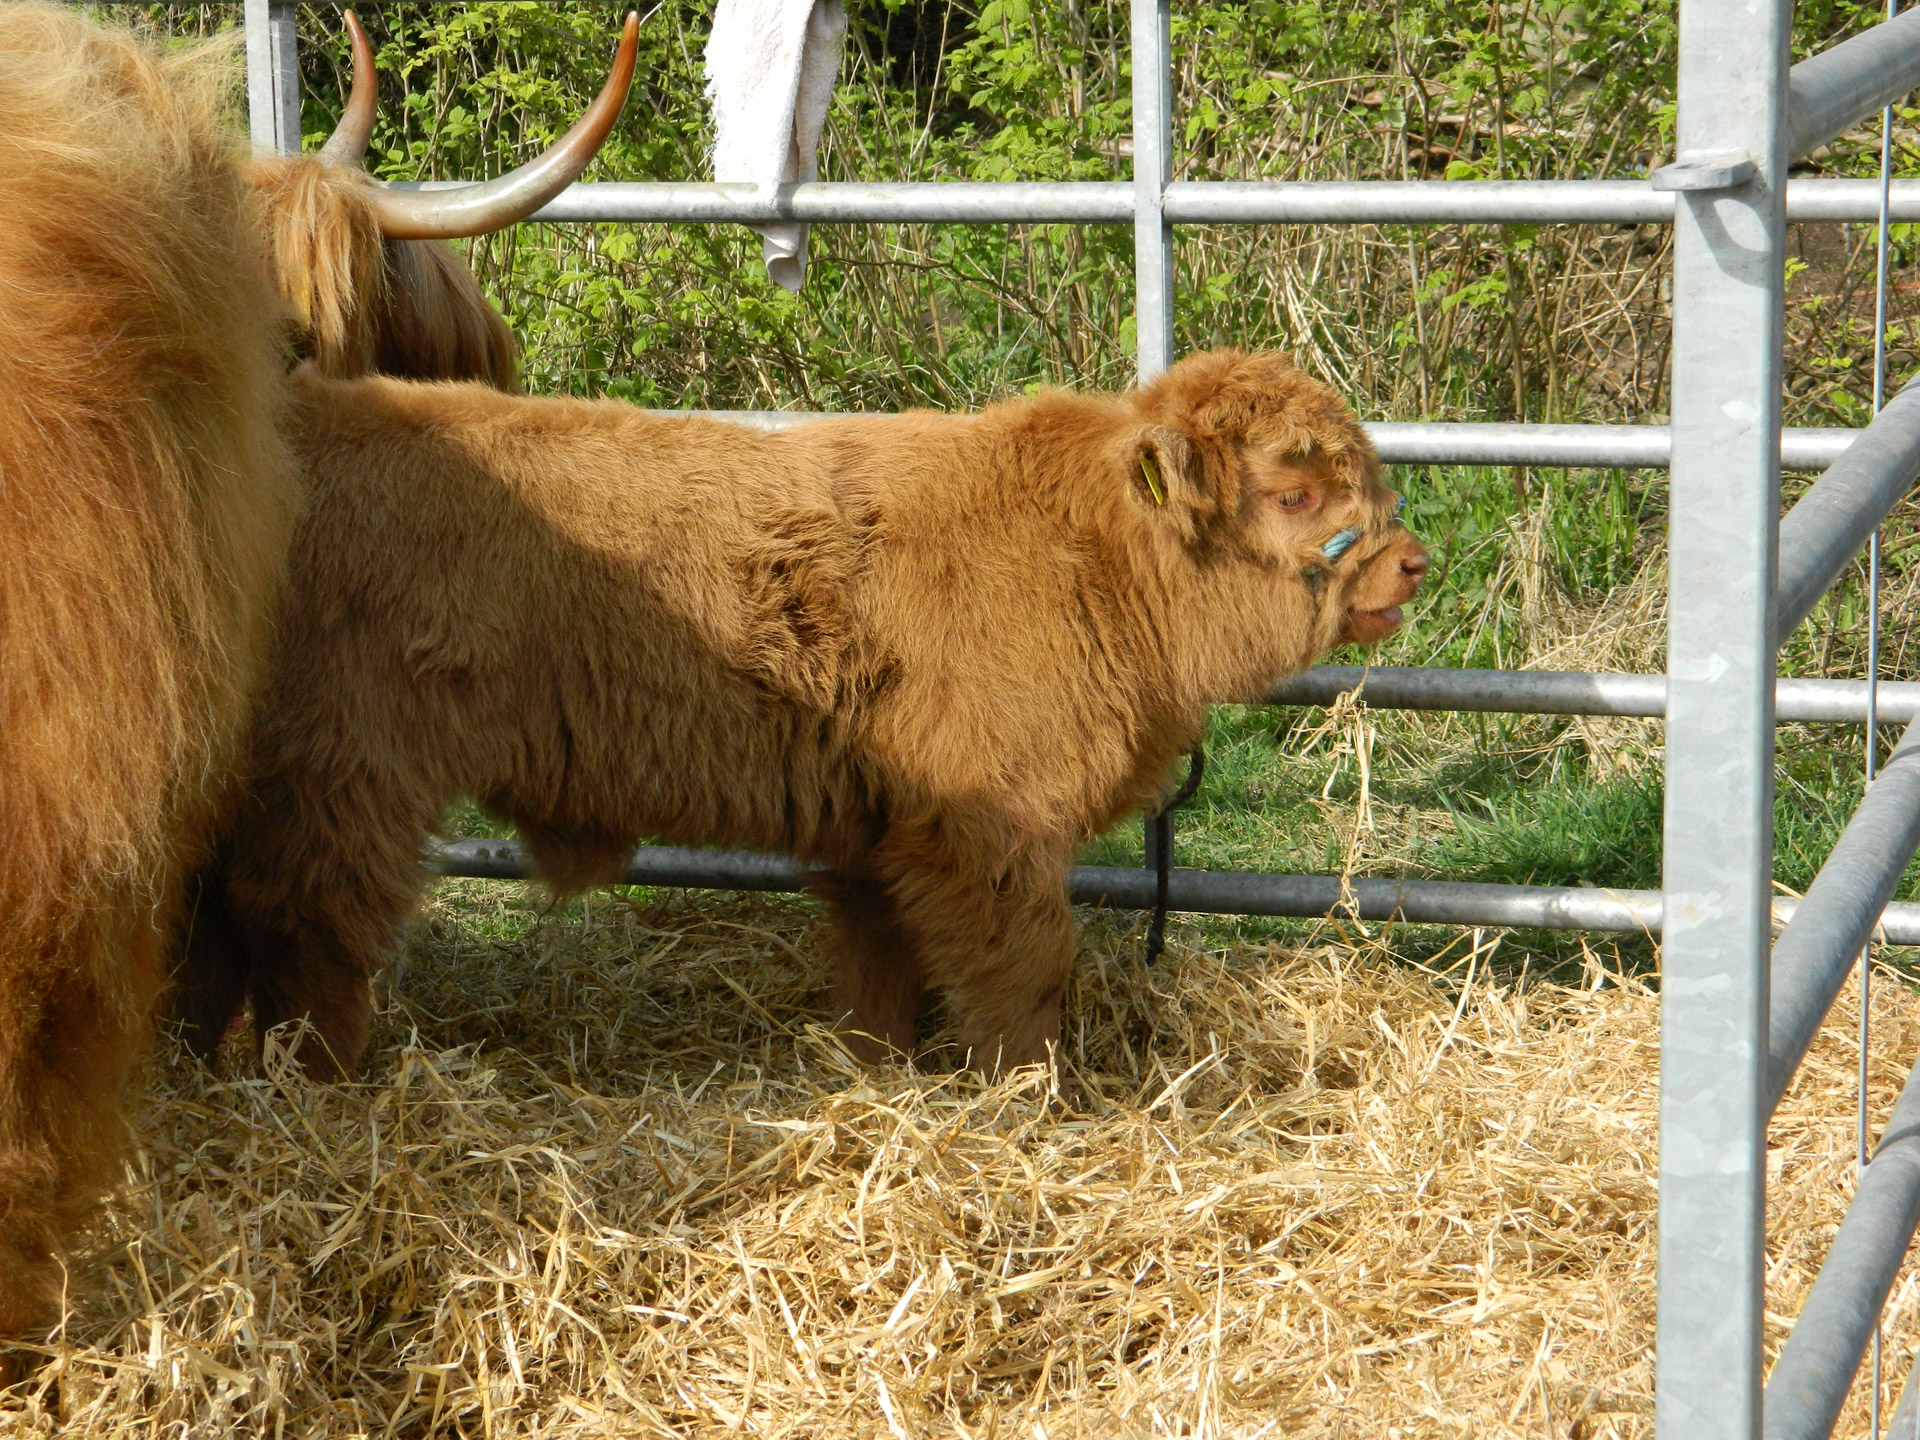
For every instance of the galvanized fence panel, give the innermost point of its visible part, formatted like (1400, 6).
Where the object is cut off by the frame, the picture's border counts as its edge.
(1740, 578)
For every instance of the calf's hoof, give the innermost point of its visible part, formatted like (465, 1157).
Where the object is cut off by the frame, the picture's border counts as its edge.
(19, 1364)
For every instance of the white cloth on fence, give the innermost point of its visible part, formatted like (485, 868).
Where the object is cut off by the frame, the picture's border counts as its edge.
(771, 65)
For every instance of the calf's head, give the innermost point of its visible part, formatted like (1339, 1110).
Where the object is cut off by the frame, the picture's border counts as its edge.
(1267, 492)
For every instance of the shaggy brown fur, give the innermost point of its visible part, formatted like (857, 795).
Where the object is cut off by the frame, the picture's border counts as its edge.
(367, 304)
(145, 503)
(933, 652)
(146, 500)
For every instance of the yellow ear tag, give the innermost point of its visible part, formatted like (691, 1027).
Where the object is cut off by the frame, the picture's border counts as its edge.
(1152, 473)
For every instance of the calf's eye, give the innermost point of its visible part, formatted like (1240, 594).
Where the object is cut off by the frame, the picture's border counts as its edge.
(1293, 500)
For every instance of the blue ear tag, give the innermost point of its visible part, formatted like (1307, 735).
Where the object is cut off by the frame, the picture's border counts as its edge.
(1337, 546)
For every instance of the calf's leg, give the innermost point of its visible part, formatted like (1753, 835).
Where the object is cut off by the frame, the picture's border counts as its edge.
(321, 875)
(877, 981)
(998, 942)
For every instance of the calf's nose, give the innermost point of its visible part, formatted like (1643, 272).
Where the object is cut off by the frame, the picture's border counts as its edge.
(1413, 562)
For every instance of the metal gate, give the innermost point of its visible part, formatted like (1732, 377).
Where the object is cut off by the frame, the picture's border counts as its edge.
(1739, 1007)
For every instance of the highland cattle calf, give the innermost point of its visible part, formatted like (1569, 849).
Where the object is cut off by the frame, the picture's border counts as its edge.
(930, 652)
(146, 501)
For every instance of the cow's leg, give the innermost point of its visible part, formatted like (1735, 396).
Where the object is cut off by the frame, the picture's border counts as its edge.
(322, 874)
(999, 943)
(77, 998)
(877, 980)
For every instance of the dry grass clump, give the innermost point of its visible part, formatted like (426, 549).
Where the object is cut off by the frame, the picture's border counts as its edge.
(607, 1176)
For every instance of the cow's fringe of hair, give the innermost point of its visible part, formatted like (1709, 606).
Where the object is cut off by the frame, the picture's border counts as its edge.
(145, 502)
(365, 303)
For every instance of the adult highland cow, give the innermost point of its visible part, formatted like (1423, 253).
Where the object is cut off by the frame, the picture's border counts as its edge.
(931, 652)
(145, 503)
(358, 260)
(146, 500)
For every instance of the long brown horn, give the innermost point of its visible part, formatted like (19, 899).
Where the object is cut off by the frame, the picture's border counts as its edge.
(496, 204)
(349, 139)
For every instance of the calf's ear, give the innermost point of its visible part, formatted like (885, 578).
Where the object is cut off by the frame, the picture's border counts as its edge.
(1166, 465)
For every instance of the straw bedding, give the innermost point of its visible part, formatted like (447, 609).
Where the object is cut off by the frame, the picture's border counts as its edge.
(607, 1176)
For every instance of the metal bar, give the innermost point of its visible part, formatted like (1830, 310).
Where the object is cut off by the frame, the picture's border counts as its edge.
(261, 108)
(284, 31)
(1422, 902)
(1813, 201)
(1822, 534)
(1425, 202)
(1835, 90)
(1718, 852)
(650, 865)
(1558, 692)
(1187, 202)
(1152, 51)
(1151, 44)
(1872, 747)
(1625, 447)
(1205, 892)
(1905, 1424)
(273, 75)
(1883, 249)
(1635, 447)
(1810, 1381)
(1814, 955)
(843, 202)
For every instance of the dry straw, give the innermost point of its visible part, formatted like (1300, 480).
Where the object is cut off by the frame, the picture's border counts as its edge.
(607, 1176)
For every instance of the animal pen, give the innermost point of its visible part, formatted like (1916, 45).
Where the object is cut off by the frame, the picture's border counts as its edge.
(1739, 1006)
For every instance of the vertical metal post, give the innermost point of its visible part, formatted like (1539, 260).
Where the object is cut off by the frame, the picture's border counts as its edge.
(273, 75)
(1872, 756)
(283, 22)
(260, 106)
(1152, 170)
(1152, 45)
(1722, 543)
